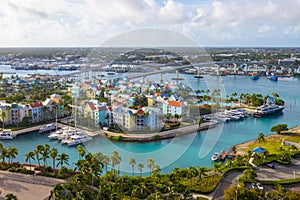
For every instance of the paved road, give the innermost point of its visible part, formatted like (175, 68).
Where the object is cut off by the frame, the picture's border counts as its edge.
(280, 172)
(26, 186)
(231, 178)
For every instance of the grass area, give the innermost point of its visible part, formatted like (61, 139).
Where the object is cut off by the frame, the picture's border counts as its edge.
(273, 143)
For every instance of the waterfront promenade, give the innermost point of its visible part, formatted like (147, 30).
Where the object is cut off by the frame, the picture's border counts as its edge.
(144, 137)
(139, 137)
(32, 129)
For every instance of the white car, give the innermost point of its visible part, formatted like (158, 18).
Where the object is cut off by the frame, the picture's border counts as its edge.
(260, 186)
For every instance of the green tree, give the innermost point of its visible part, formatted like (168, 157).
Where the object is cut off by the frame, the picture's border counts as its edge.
(279, 128)
(150, 164)
(45, 154)
(3, 115)
(28, 157)
(63, 159)
(140, 167)
(250, 174)
(116, 160)
(3, 153)
(132, 162)
(11, 196)
(81, 151)
(261, 137)
(37, 151)
(106, 161)
(12, 153)
(53, 155)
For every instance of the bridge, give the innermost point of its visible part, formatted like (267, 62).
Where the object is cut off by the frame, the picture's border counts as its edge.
(165, 69)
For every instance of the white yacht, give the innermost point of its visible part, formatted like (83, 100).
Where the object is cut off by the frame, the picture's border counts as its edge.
(268, 109)
(78, 139)
(47, 128)
(67, 134)
(6, 135)
(55, 135)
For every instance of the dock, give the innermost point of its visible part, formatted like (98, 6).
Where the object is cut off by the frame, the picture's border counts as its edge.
(32, 129)
(225, 154)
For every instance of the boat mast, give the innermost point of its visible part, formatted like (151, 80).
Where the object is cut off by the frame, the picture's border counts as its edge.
(56, 117)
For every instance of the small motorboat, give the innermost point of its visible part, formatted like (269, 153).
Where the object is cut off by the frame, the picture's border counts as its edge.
(215, 157)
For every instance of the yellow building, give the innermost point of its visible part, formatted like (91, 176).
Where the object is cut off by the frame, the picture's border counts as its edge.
(151, 102)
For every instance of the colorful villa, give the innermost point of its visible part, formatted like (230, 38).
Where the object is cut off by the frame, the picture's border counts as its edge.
(33, 113)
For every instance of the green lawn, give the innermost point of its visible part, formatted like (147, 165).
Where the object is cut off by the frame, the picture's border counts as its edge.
(273, 143)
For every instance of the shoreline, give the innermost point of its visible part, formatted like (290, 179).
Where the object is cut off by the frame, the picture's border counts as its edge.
(159, 135)
(241, 147)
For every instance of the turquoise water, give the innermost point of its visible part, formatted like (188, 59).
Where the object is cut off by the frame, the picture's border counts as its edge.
(193, 149)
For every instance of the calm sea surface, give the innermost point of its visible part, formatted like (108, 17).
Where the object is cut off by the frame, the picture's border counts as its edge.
(193, 149)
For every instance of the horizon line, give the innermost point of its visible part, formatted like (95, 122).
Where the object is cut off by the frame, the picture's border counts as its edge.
(207, 46)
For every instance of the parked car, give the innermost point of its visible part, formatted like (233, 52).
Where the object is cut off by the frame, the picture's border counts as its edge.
(260, 186)
(272, 166)
(253, 185)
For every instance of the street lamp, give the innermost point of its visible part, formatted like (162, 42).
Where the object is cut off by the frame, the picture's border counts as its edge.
(236, 195)
(294, 174)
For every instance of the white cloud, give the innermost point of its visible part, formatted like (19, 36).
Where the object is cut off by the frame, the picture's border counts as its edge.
(90, 22)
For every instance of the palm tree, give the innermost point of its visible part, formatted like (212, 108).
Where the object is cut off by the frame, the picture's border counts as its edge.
(116, 159)
(53, 155)
(81, 151)
(156, 169)
(38, 150)
(63, 159)
(28, 157)
(12, 153)
(150, 164)
(261, 137)
(132, 162)
(3, 153)
(105, 160)
(140, 167)
(45, 153)
(3, 115)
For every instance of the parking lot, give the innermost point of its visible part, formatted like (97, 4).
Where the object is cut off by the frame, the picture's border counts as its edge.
(280, 172)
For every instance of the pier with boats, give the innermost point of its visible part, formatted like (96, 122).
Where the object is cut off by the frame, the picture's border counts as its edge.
(222, 156)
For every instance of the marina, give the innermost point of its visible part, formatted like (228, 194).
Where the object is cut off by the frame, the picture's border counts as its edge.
(190, 149)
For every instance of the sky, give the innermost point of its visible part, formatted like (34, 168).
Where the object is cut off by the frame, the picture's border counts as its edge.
(71, 23)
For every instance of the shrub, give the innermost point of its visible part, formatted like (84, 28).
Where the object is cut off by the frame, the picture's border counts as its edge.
(118, 138)
(157, 137)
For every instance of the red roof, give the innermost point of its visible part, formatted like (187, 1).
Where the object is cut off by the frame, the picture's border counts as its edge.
(92, 106)
(175, 103)
(102, 108)
(110, 109)
(203, 106)
(140, 112)
(36, 104)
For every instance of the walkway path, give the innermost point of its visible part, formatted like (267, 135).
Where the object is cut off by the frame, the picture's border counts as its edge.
(26, 186)
(162, 135)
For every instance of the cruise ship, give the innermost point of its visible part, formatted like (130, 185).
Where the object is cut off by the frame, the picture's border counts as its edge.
(268, 110)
